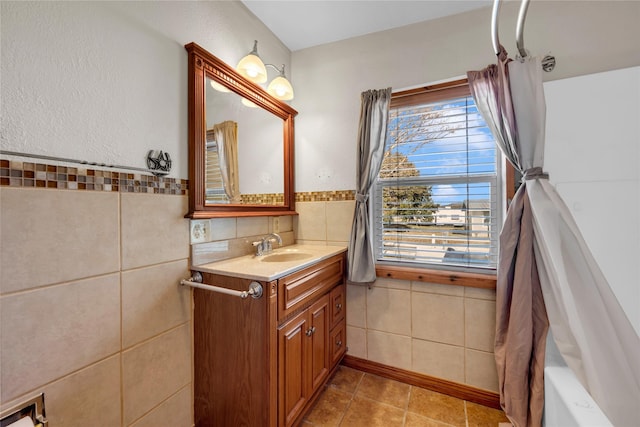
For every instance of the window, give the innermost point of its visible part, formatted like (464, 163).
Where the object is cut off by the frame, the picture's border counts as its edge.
(214, 188)
(437, 198)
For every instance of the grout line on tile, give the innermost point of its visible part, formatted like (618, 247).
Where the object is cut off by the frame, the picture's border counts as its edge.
(142, 267)
(151, 338)
(466, 418)
(406, 406)
(51, 285)
(378, 402)
(353, 396)
(411, 327)
(40, 387)
(121, 358)
(406, 409)
(464, 344)
(120, 263)
(158, 405)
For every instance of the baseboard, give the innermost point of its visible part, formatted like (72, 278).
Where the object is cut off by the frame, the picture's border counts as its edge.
(450, 388)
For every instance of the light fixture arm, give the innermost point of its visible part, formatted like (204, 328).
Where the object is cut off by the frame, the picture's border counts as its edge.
(254, 51)
(279, 70)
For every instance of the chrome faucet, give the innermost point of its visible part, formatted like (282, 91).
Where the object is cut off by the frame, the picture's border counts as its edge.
(263, 246)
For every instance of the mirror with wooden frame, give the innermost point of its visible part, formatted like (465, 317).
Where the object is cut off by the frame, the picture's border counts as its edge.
(241, 142)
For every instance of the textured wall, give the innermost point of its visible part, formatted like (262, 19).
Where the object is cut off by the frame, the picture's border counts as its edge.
(91, 312)
(107, 81)
(585, 37)
(581, 159)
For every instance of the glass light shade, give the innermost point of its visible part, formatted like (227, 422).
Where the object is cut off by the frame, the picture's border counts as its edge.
(252, 67)
(217, 86)
(248, 103)
(281, 89)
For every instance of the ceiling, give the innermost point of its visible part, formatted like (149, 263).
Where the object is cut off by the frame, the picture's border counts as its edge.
(300, 24)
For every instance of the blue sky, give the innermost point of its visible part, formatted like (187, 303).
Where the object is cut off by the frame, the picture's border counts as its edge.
(458, 151)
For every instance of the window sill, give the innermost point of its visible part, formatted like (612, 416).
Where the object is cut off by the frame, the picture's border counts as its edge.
(444, 277)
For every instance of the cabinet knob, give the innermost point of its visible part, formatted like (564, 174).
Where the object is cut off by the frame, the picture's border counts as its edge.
(310, 331)
(339, 306)
(339, 343)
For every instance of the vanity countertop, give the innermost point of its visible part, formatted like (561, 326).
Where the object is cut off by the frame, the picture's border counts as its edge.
(279, 263)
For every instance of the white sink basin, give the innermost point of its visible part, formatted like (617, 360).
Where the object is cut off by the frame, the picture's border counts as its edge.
(279, 263)
(286, 257)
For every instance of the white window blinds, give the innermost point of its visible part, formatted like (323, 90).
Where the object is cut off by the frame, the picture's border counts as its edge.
(436, 197)
(214, 186)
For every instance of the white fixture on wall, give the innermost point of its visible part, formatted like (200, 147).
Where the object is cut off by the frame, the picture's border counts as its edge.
(252, 67)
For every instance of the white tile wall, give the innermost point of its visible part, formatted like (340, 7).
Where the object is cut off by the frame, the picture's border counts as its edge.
(153, 301)
(387, 310)
(389, 349)
(143, 388)
(438, 318)
(92, 314)
(436, 329)
(71, 234)
(438, 360)
(153, 229)
(77, 323)
(175, 411)
(77, 398)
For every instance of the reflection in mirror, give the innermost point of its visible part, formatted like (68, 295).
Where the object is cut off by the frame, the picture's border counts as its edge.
(240, 143)
(244, 161)
(221, 177)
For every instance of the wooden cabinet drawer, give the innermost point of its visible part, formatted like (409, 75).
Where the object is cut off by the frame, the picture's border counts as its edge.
(298, 289)
(338, 342)
(337, 306)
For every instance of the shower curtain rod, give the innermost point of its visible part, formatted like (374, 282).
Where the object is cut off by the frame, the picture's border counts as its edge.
(522, 16)
(548, 62)
(495, 40)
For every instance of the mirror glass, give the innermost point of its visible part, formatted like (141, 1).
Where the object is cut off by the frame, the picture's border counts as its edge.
(243, 150)
(240, 143)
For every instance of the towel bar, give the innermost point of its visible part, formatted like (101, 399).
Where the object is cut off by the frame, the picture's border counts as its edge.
(195, 281)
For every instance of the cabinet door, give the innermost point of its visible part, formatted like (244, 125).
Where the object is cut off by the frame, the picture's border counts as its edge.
(318, 342)
(293, 354)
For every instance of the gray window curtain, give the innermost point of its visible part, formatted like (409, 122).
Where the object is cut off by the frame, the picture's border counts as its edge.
(546, 270)
(226, 135)
(372, 132)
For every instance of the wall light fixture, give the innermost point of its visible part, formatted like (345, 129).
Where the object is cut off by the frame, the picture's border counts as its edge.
(252, 67)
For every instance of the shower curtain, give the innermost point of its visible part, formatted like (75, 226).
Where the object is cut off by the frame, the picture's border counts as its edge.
(546, 269)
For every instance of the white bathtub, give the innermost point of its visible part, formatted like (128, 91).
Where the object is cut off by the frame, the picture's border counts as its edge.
(566, 402)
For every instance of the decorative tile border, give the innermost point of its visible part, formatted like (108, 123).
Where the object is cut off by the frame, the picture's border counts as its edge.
(42, 175)
(15, 173)
(326, 196)
(263, 199)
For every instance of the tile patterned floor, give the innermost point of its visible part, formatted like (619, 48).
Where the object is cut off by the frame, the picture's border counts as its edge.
(353, 398)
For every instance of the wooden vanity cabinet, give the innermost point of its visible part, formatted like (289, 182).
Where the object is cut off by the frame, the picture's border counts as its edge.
(263, 362)
(338, 333)
(303, 360)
